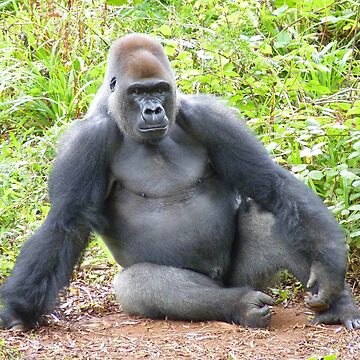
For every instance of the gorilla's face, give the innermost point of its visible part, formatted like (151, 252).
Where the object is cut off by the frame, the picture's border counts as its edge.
(144, 109)
(141, 88)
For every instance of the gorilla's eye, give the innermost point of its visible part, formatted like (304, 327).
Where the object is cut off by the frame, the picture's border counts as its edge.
(112, 84)
(137, 91)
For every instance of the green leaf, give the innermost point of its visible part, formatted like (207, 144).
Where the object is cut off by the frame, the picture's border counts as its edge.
(5, 3)
(300, 167)
(312, 122)
(165, 30)
(346, 56)
(282, 39)
(354, 207)
(315, 175)
(331, 173)
(327, 357)
(353, 217)
(116, 2)
(342, 167)
(348, 175)
(330, 357)
(329, 19)
(354, 155)
(280, 10)
(354, 111)
(266, 49)
(170, 50)
(310, 152)
(345, 212)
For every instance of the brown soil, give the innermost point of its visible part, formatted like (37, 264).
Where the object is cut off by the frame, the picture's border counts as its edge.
(89, 325)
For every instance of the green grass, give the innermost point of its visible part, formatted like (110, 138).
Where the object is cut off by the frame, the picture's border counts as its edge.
(292, 68)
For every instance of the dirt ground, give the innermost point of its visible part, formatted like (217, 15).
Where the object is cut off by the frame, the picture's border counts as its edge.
(90, 325)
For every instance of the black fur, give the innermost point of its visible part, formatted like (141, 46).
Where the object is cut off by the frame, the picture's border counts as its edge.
(77, 187)
(244, 164)
(188, 202)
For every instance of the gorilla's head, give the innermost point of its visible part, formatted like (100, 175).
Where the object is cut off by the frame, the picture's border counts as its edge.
(141, 88)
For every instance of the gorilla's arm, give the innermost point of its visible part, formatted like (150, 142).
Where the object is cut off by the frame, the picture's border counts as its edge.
(302, 218)
(77, 188)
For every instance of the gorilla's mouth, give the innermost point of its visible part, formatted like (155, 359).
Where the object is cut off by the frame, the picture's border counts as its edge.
(153, 128)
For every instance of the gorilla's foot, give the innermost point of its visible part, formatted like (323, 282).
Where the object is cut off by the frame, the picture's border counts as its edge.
(348, 316)
(342, 311)
(253, 310)
(9, 321)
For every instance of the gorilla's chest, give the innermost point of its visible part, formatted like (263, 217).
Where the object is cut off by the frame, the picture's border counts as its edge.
(167, 206)
(156, 170)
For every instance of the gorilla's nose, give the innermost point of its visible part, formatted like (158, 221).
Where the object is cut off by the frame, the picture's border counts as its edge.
(153, 114)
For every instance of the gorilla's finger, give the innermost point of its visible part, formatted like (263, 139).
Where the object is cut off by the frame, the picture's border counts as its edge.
(259, 317)
(265, 311)
(266, 299)
(349, 324)
(312, 280)
(17, 327)
(356, 324)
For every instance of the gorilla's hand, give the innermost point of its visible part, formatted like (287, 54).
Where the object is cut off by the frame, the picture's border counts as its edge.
(10, 321)
(327, 290)
(253, 310)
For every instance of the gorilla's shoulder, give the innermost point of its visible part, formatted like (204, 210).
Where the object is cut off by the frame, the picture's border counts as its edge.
(95, 130)
(94, 124)
(201, 100)
(205, 108)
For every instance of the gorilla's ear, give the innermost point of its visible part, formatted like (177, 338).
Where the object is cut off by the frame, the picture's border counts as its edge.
(112, 84)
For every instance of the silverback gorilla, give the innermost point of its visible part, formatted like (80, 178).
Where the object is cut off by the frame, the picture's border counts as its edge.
(188, 202)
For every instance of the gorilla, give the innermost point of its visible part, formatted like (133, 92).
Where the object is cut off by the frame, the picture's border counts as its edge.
(188, 202)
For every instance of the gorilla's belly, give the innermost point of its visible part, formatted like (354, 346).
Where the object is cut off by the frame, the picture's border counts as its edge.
(193, 228)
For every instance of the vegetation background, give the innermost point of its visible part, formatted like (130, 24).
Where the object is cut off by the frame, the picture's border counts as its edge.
(291, 67)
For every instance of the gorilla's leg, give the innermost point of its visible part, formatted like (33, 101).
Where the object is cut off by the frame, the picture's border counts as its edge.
(258, 254)
(158, 291)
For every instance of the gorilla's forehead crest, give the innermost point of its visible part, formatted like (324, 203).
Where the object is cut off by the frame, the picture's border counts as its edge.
(132, 42)
(145, 65)
(141, 55)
